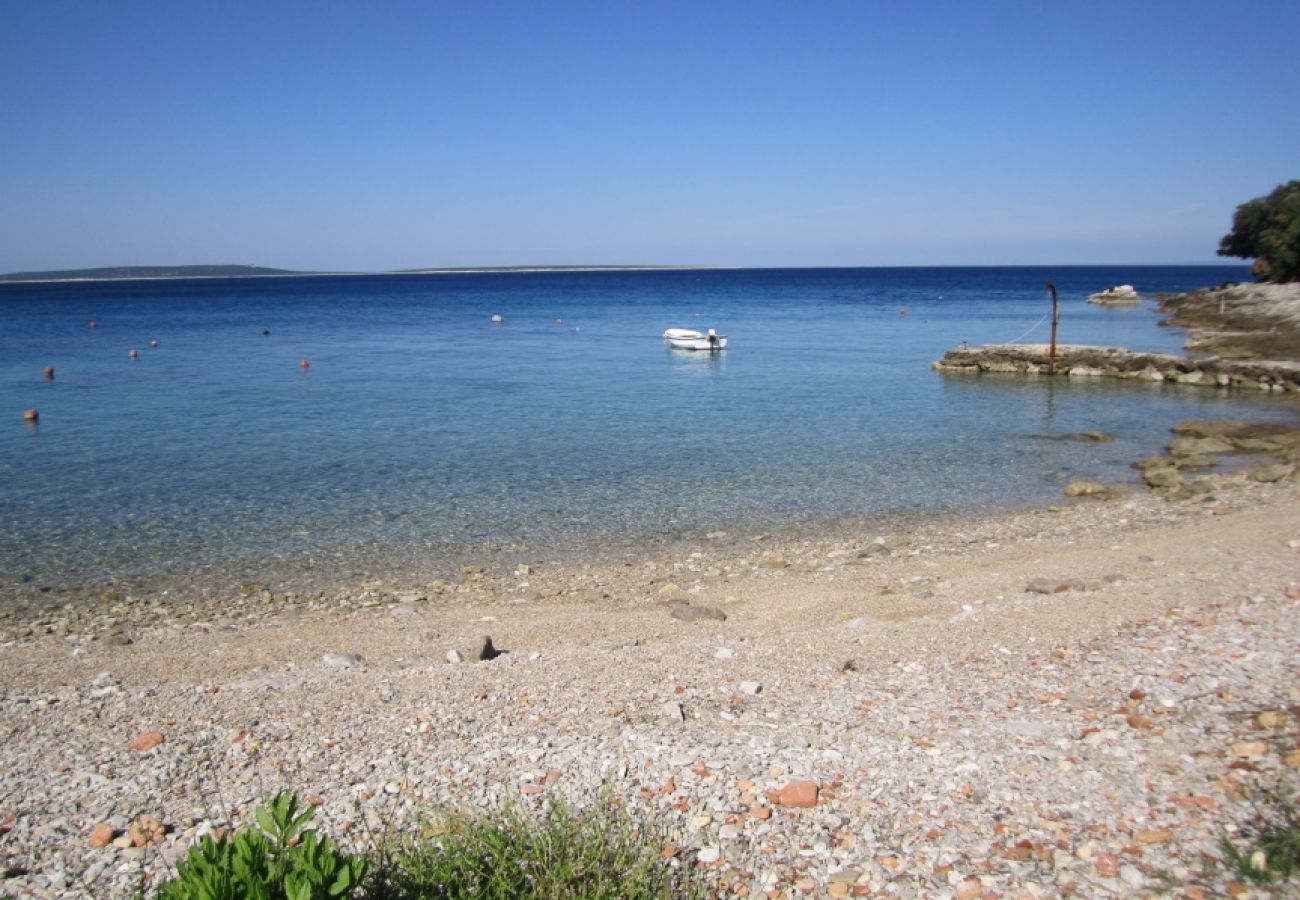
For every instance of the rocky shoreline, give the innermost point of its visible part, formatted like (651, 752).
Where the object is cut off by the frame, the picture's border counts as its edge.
(1239, 337)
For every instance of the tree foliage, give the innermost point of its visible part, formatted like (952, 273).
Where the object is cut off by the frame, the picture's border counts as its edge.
(1267, 229)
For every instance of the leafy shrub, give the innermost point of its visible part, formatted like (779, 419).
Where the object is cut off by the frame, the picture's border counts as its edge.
(600, 853)
(278, 860)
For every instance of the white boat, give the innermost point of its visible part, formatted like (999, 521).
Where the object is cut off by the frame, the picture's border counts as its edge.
(687, 339)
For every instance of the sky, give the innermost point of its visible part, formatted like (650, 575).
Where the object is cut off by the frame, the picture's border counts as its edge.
(345, 136)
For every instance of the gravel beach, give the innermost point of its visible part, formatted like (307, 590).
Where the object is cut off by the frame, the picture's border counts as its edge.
(1076, 700)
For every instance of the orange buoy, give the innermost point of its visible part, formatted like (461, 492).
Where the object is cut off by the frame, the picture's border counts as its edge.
(31, 415)
(132, 353)
(49, 373)
(303, 364)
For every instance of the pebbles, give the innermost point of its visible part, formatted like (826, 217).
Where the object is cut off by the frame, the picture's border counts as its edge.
(1091, 742)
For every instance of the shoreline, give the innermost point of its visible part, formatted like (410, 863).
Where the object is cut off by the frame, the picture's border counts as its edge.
(924, 681)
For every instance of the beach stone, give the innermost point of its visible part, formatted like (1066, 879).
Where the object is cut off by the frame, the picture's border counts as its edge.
(453, 656)
(101, 836)
(708, 855)
(799, 794)
(146, 740)
(146, 831)
(1054, 585)
(1085, 489)
(685, 612)
(752, 688)
(341, 660)
(484, 650)
(1272, 718)
(673, 710)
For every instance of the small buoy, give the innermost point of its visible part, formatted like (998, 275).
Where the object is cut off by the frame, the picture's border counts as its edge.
(31, 415)
(902, 310)
(132, 353)
(303, 364)
(265, 332)
(559, 321)
(153, 344)
(93, 325)
(49, 373)
(497, 320)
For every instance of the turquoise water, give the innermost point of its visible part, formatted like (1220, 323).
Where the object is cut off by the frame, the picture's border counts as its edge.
(422, 432)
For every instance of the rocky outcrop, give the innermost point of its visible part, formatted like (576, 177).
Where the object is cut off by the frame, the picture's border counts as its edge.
(1118, 295)
(1240, 321)
(1083, 361)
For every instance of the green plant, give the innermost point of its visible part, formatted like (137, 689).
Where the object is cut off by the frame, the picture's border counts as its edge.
(280, 859)
(1267, 229)
(1271, 852)
(564, 853)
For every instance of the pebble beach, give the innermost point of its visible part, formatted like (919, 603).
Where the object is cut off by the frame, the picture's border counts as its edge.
(1079, 700)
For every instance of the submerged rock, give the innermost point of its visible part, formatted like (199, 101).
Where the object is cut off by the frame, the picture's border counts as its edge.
(1085, 489)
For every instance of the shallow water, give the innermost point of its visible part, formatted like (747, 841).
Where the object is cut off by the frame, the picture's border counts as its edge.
(420, 430)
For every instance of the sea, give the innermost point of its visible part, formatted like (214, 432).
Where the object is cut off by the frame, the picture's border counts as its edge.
(420, 434)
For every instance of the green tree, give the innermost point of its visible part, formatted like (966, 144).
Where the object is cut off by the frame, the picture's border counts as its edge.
(1267, 230)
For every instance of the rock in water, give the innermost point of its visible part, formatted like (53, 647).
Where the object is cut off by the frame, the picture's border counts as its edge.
(1085, 489)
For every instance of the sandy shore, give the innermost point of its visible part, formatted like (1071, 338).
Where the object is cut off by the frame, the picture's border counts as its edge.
(1079, 700)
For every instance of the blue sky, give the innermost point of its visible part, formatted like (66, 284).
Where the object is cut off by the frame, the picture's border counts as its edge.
(339, 136)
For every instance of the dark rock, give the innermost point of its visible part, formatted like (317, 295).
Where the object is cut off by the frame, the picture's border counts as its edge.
(485, 650)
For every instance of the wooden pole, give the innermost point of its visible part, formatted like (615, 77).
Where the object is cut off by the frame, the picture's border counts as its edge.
(1056, 317)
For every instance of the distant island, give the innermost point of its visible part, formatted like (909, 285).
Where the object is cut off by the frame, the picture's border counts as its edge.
(123, 273)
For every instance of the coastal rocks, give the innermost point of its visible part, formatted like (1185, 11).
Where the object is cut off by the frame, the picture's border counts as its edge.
(1260, 321)
(1077, 360)
(1269, 473)
(1161, 478)
(1092, 489)
(685, 612)
(1116, 295)
(1185, 446)
(342, 660)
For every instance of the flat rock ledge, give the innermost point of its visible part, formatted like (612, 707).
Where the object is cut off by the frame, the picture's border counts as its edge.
(1083, 361)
